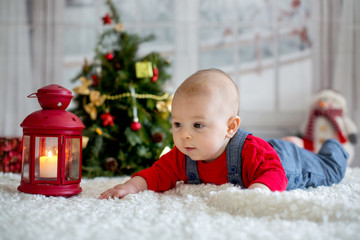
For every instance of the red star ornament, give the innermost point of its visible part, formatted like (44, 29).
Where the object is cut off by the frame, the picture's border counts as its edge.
(107, 19)
(95, 79)
(108, 119)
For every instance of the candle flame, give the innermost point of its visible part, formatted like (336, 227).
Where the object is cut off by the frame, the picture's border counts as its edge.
(49, 154)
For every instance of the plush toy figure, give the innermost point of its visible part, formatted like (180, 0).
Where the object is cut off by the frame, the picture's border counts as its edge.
(327, 119)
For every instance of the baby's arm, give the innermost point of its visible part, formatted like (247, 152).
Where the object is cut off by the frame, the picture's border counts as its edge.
(133, 185)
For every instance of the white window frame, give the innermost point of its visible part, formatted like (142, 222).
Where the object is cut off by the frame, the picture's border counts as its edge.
(186, 50)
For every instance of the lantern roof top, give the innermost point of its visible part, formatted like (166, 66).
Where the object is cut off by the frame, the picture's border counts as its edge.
(52, 119)
(54, 89)
(53, 96)
(54, 99)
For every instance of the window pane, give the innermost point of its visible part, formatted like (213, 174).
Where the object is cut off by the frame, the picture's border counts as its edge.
(295, 83)
(294, 26)
(79, 41)
(290, 44)
(157, 10)
(164, 38)
(127, 10)
(257, 91)
(80, 12)
(255, 45)
(255, 11)
(290, 11)
(25, 157)
(212, 11)
(72, 159)
(215, 36)
(217, 47)
(247, 53)
(46, 158)
(217, 58)
(267, 49)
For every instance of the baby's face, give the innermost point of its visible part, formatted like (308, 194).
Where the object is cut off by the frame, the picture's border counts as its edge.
(199, 126)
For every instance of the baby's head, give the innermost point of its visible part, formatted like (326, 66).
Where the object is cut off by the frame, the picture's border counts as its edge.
(205, 114)
(212, 85)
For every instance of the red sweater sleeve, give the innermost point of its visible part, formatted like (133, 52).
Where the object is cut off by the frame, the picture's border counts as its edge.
(165, 172)
(261, 164)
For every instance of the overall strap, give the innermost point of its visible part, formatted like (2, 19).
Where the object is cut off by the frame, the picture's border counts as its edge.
(191, 171)
(233, 157)
(233, 161)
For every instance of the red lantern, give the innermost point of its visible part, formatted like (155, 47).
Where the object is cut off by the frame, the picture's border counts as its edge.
(52, 146)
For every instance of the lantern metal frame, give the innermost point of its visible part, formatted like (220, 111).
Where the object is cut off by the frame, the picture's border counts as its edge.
(59, 187)
(52, 122)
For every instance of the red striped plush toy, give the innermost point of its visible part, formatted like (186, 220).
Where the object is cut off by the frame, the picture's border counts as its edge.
(327, 119)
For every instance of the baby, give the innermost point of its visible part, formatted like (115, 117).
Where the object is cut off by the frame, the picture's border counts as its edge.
(211, 148)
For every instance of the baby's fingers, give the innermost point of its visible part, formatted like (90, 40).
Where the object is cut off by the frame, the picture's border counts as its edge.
(106, 195)
(113, 193)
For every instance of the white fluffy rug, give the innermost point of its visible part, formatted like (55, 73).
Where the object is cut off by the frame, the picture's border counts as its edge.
(187, 212)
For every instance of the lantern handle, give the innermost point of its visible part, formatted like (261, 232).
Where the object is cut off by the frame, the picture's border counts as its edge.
(32, 95)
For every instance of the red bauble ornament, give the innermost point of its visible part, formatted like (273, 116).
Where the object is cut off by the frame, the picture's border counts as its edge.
(135, 126)
(107, 19)
(155, 74)
(109, 56)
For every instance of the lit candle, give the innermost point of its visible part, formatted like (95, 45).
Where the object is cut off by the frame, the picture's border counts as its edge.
(48, 166)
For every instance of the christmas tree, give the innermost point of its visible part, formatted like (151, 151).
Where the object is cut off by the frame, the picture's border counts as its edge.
(122, 104)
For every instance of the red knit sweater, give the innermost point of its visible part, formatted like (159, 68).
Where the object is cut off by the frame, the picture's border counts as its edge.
(260, 164)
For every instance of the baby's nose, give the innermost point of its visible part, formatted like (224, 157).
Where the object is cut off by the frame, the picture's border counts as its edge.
(186, 134)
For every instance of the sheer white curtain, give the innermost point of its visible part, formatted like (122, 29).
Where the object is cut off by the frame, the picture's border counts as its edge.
(326, 16)
(15, 66)
(347, 62)
(30, 57)
(47, 19)
(337, 52)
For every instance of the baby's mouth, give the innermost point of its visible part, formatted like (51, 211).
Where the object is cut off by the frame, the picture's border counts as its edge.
(189, 149)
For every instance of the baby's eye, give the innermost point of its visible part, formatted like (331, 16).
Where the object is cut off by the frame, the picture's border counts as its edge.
(177, 124)
(198, 125)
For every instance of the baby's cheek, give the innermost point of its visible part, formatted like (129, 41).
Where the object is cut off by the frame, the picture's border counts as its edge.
(207, 144)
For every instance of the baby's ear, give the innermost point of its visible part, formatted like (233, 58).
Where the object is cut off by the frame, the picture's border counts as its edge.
(233, 125)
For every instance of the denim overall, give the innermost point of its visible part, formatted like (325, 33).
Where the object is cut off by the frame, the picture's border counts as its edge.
(303, 168)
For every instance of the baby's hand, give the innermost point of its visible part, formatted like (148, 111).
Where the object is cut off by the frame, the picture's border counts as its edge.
(134, 185)
(118, 191)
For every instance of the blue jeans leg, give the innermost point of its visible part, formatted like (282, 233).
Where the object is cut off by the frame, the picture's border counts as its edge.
(307, 169)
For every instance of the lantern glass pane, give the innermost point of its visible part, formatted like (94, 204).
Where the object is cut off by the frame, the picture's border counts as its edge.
(25, 157)
(72, 159)
(46, 158)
